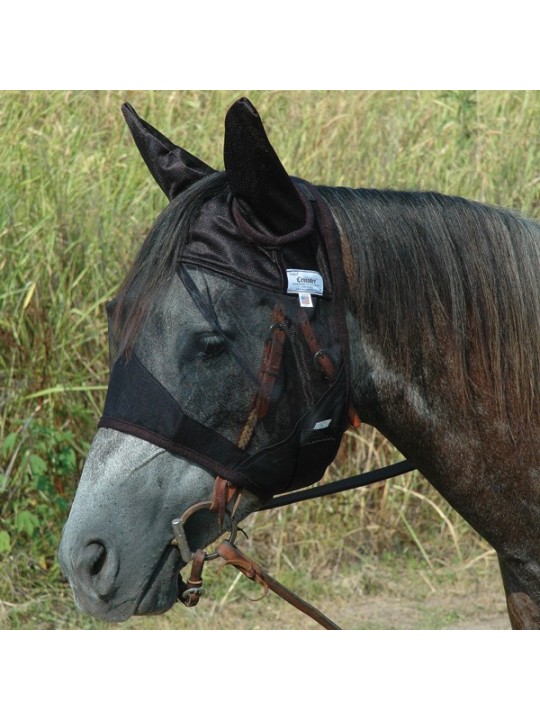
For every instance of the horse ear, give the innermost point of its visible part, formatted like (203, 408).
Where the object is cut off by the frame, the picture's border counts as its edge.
(173, 169)
(258, 180)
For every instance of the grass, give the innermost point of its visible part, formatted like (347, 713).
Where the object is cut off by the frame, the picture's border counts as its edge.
(75, 203)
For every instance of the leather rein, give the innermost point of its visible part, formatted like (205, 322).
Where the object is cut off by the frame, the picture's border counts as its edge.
(226, 496)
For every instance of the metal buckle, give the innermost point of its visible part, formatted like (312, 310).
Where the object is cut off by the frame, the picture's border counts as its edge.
(192, 591)
(280, 325)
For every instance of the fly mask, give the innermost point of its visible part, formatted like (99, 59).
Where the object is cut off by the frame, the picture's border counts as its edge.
(259, 394)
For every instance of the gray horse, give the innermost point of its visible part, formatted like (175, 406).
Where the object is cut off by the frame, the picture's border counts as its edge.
(441, 353)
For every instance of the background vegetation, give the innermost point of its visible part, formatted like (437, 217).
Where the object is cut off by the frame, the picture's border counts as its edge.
(75, 203)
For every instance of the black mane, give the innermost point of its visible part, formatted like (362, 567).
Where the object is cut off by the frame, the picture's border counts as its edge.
(433, 273)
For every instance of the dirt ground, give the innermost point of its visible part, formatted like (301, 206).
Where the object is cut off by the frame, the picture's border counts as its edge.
(372, 597)
(398, 592)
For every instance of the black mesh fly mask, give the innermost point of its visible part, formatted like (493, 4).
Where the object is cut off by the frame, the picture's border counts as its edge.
(243, 368)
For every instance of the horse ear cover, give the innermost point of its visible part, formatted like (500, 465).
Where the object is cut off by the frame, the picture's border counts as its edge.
(173, 168)
(258, 180)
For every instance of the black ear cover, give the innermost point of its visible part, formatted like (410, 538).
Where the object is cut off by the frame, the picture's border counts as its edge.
(258, 180)
(173, 168)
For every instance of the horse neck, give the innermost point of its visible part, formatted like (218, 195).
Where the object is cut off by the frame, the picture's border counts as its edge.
(402, 380)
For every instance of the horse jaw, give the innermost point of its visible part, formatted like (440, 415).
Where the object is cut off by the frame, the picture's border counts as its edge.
(116, 547)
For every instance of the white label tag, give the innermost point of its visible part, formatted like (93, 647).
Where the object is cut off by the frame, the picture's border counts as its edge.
(304, 281)
(305, 300)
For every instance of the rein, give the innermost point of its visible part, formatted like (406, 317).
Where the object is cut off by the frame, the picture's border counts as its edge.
(190, 592)
(226, 495)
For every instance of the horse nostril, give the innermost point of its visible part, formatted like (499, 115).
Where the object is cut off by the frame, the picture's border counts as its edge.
(95, 557)
(97, 568)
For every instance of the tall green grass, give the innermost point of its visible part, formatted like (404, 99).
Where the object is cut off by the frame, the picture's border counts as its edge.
(75, 203)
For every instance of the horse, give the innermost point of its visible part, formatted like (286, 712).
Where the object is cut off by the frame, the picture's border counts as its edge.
(427, 328)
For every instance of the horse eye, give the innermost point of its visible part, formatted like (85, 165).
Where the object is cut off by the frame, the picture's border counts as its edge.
(210, 346)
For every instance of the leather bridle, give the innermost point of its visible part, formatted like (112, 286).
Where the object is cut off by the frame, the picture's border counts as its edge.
(226, 496)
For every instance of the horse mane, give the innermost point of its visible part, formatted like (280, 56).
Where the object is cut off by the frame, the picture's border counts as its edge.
(443, 284)
(157, 259)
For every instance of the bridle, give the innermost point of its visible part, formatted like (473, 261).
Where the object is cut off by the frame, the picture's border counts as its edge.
(226, 496)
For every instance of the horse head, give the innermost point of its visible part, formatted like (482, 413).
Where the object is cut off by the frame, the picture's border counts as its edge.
(225, 362)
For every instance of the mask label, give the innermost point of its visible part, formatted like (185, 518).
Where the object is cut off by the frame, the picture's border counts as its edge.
(304, 281)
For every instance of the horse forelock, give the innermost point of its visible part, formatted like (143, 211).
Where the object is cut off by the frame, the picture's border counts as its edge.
(445, 285)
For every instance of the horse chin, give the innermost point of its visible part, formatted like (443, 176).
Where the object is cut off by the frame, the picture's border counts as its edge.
(161, 591)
